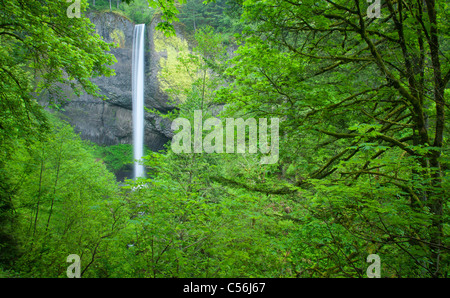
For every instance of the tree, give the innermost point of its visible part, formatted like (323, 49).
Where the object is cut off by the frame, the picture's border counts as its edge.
(369, 92)
(65, 202)
(49, 48)
(195, 14)
(139, 11)
(41, 46)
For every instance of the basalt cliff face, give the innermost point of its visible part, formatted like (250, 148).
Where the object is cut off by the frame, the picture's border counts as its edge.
(109, 122)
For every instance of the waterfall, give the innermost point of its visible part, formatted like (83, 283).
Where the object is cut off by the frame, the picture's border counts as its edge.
(138, 99)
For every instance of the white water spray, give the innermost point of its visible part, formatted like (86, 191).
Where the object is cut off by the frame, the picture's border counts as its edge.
(138, 99)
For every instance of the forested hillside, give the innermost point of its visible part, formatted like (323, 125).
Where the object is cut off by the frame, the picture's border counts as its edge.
(357, 93)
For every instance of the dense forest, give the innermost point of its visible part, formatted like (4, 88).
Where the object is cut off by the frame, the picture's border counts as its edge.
(360, 90)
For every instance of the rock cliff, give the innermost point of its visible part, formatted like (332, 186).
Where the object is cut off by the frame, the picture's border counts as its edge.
(109, 122)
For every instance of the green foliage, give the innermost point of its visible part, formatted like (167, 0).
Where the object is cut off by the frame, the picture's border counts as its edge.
(63, 201)
(118, 38)
(355, 145)
(185, 228)
(187, 73)
(115, 157)
(40, 47)
(364, 155)
(139, 11)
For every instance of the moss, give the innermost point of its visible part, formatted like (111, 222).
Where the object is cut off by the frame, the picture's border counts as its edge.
(179, 69)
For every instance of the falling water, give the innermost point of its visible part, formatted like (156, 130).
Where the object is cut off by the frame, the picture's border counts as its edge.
(138, 99)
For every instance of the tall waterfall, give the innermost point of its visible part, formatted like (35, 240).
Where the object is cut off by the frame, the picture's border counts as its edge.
(138, 98)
